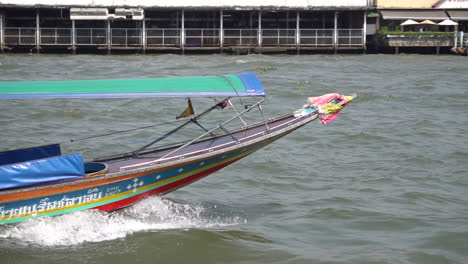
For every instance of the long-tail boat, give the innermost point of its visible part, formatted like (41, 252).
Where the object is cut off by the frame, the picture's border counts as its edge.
(42, 181)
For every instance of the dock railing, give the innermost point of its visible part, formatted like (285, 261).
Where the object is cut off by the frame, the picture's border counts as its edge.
(350, 37)
(20, 36)
(418, 39)
(91, 36)
(237, 37)
(55, 36)
(163, 37)
(126, 37)
(316, 37)
(201, 37)
(278, 37)
(193, 37)
(460, 39)
(464, 40)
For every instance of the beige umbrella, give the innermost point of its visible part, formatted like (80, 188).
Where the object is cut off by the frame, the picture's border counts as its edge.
(427, 22)
(428, 25)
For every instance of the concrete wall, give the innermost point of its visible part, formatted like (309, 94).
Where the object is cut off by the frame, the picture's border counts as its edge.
(301, 4)
(405, 3)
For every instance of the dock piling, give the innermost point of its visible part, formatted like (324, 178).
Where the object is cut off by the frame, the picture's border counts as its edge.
(298, 32)
(182, 31)
(335, 32)
(2, 34)
(73, 35)
(108, 36)
(143, 35)
(221, 30)
(260, 36)
(364, 31)
(38, 32)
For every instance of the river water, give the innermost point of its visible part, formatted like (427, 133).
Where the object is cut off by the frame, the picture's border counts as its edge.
(386, 182)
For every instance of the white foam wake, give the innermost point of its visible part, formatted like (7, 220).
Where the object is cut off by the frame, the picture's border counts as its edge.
(94, 226)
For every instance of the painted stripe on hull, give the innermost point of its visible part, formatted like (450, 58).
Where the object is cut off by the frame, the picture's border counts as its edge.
(162, 190)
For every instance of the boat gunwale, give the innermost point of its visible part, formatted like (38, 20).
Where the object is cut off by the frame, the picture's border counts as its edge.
(128, 174)
(220, 146)
(178, 144)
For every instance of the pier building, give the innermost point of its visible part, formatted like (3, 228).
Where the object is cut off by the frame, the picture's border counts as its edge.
(177, 25)
(239, 27)
(430, 24)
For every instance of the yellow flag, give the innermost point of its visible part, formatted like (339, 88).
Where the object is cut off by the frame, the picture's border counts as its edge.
(188, 111)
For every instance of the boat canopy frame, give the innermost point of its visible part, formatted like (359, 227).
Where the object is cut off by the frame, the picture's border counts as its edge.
(181, 145)
(240, 85)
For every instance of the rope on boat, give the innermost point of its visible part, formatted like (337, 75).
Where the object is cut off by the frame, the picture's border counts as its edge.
(132, 142)
(157, 139)
(126, 131)
(117, 132)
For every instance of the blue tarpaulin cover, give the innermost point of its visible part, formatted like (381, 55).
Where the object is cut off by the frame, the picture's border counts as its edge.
(34, 153)
(41, 171)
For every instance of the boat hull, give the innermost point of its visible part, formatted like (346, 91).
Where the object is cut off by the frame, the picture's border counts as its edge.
(118, 193)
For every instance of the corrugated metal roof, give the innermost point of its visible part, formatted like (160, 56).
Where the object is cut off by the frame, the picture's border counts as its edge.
(414, 14)
(458, 14)
(195, 3)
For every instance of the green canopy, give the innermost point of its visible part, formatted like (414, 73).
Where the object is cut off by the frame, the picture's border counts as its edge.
(243, 84)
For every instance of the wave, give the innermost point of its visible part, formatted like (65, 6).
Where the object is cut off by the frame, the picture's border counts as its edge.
(152, 214)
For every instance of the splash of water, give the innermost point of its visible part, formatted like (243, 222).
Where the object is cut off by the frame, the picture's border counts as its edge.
(153, 214)
(241, 61)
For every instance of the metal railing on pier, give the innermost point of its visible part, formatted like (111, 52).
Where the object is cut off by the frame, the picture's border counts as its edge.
(278, 37)
(402, 40)
(201, 37)
(240, 37)
(91, 36)
(20, 36)
(55, 36)
(126, 37)
(350, 37)
(460, 39)
(189, 37)
(316, 37)
(163, 37)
